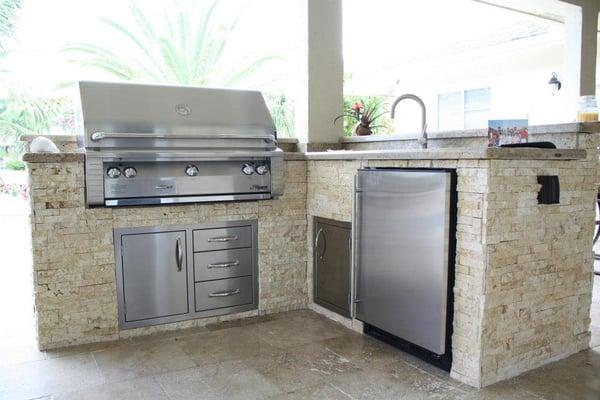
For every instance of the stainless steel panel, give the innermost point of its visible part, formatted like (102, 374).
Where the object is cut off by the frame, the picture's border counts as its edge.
(186, 199)
(402, 223)
(222, 264)
(277, 181)
(223, 238)
(163, 179)
(154, 275)
(331, 255)
(199, 155)
(223, 293)
(122, 110)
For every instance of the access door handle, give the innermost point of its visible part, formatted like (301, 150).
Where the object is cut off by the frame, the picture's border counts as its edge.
(228, 264)
(319, 232)
(224, 294)
(178, 254)
(223, 238)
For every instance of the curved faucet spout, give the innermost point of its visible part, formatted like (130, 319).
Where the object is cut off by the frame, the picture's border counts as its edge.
(420, 102)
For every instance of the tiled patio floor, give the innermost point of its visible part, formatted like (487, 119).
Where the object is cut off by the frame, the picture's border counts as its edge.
(294, 355)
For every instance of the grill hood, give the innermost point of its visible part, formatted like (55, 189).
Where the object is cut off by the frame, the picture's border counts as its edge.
(139, 116)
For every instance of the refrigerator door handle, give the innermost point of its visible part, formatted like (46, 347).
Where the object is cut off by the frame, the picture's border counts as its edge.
(354, 248)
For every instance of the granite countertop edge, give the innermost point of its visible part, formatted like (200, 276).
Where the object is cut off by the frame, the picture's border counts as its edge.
(33, 158)
(418, 154)
(449, 154)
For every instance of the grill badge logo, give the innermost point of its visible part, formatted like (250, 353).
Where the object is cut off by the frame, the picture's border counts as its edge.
(183, 110)
(259, 187)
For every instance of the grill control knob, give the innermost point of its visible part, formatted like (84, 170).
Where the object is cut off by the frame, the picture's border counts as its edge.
(129, 172)
(113, 172)
(262, 169)
(191, 170)
(248, 169)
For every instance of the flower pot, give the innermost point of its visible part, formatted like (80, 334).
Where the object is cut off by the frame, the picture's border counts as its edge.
(362, 130)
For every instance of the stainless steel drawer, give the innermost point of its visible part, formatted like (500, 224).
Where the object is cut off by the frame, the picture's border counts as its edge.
(222, 238)
(222, 264)
(223, 293)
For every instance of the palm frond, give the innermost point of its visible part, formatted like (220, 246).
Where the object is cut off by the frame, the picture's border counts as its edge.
(183, 47)
(9, 10)
(237, 75)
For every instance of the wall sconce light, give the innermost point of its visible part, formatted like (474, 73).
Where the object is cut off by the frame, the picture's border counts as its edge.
(556, 84)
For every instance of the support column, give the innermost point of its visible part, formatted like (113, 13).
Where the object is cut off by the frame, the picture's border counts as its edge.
(321, 97)
(581, 30)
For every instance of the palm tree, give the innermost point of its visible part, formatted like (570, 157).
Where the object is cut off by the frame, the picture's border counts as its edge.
(187, 47)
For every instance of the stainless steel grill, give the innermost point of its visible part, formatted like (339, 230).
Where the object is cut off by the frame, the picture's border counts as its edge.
(155, 144)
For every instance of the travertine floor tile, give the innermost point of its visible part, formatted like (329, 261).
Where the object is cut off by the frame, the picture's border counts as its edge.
(301, 327)
(398, 380)
(321, 392)
(39, 378)
(138, 389)
(225, 345)
(227, 380)
(577, 377)
(134, 360)
(362, 350)
(501, 391)
(302, 366)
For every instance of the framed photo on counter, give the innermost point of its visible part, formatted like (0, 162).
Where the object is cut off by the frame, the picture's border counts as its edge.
(507, 131)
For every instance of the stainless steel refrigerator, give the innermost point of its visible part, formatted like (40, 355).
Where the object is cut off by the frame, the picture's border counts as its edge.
(404, 224)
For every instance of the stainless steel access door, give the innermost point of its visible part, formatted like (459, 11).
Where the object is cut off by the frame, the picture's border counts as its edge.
(154, 275)
(331, 268)
(402, 223)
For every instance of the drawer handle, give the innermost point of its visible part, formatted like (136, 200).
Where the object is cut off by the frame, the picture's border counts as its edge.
(228, 264)
(223, 238)
(224, 294)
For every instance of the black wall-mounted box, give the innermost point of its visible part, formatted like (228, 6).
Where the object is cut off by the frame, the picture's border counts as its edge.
(550, 191)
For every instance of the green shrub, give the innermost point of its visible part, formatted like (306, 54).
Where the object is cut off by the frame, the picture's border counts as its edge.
(15, 165)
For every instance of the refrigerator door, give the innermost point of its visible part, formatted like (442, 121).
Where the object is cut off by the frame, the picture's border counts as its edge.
(402, 221)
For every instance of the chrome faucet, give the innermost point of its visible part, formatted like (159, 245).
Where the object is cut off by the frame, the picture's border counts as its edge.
(423, 138)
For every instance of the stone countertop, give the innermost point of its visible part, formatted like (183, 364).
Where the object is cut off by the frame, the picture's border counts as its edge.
(416, 154)
(444, 154)
(54, 157)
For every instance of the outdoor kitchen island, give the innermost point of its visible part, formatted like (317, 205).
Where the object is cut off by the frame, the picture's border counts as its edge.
(523, 270)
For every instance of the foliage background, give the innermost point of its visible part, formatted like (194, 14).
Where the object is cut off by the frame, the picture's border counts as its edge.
(190, 42)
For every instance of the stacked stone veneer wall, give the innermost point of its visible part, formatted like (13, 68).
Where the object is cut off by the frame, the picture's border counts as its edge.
(523, 270)
(73, 253)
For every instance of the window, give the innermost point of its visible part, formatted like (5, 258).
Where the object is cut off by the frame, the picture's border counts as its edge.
(464, 110)
(464, 44)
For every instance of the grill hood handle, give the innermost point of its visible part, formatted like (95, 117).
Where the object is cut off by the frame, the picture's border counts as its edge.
(98, 136)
